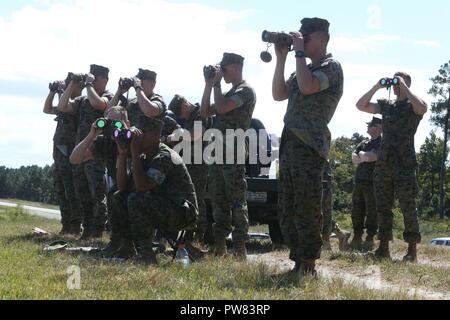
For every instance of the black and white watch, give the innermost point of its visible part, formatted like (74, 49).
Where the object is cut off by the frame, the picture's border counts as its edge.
(300, 54)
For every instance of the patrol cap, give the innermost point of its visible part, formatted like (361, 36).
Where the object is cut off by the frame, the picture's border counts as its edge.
(144, 74)
(231, 58)
(97, 70)
(175, 104)
(375, 122)
(310, 25)
(146, 124)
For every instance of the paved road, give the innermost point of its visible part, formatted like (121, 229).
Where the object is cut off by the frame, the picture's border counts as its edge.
(41, 212)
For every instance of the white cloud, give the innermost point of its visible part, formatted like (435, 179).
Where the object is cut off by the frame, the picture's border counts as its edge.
(427, 43)
(362, 44)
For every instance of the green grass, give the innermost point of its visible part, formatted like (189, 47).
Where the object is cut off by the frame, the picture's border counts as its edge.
(26, 272)
(425, 276)
(430, 228)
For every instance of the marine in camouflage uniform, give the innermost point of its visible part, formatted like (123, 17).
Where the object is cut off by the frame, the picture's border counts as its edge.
(395, 171)
(227, 184)
(169, 203)
(305, 142)
(89, 177)
(63, 144)
(189, 114)
(100, 145)
(364, 212)
(155, 108)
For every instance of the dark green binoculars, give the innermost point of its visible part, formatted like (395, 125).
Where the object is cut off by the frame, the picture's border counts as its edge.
(388, 82)
(109, 124)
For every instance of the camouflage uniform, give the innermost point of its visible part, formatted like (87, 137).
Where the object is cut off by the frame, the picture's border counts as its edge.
(169, 126)
(364, 212)
(171, 207)
(327, 201)
(135, 112)
(198, 172)
(63, 144)
(228, 187)
(105, 150)
(90, 175)
(305, 146)
(395, 171)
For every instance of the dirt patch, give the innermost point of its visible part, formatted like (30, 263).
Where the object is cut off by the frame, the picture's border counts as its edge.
(369, 278)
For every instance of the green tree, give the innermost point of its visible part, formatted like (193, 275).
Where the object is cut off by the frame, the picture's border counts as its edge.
(440, 118)
(429, 164)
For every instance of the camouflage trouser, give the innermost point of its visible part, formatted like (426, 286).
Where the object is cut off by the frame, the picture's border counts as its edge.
(300, 198)
(364, 211)
(91, 189)
(228, 190)
(327, 203)
(65, 189)
(389, 181)
(119, 218)
(199, 176)
(148, 211)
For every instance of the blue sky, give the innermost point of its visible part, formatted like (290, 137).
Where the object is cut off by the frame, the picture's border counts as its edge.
(47, 38)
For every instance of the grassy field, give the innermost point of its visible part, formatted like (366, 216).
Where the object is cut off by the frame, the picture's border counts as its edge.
(27, 272)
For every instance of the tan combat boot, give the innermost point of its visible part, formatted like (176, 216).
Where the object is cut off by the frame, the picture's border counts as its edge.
(368, 244)
(383, 251)
(240, 251)
(126, 250)
(112, 247)
(307, 268)
(220, 247)
(356, 244)
(146, 253)
(411, 256)
(343, 237)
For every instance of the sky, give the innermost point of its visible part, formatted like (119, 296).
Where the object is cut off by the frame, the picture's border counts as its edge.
(44, 39)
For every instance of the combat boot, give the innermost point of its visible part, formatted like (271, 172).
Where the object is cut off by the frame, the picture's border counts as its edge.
(126, 250)
(240, 251)
(112, 247)
(65, 230)
(383, 251)
(146, 253)
(343, 237)
(368, 244)
(97, 234)
(306, 268)
(75, 229)
(220, 247)
(356, 244)
(86, 235)
(411, 256)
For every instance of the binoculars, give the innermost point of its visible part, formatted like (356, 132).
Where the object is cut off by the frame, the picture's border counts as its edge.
(126, 83)
(277, 38)
(77, 77)
(209, 72)
(388, 82)
(106, 124)
(54, 87)
(123, 136)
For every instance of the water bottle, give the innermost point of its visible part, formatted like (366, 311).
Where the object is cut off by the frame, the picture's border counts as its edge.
(182, 256)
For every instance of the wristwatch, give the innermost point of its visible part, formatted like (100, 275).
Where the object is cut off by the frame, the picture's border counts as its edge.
(300, 54)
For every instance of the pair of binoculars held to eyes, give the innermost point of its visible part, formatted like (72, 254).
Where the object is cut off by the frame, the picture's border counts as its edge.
(389, 82)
